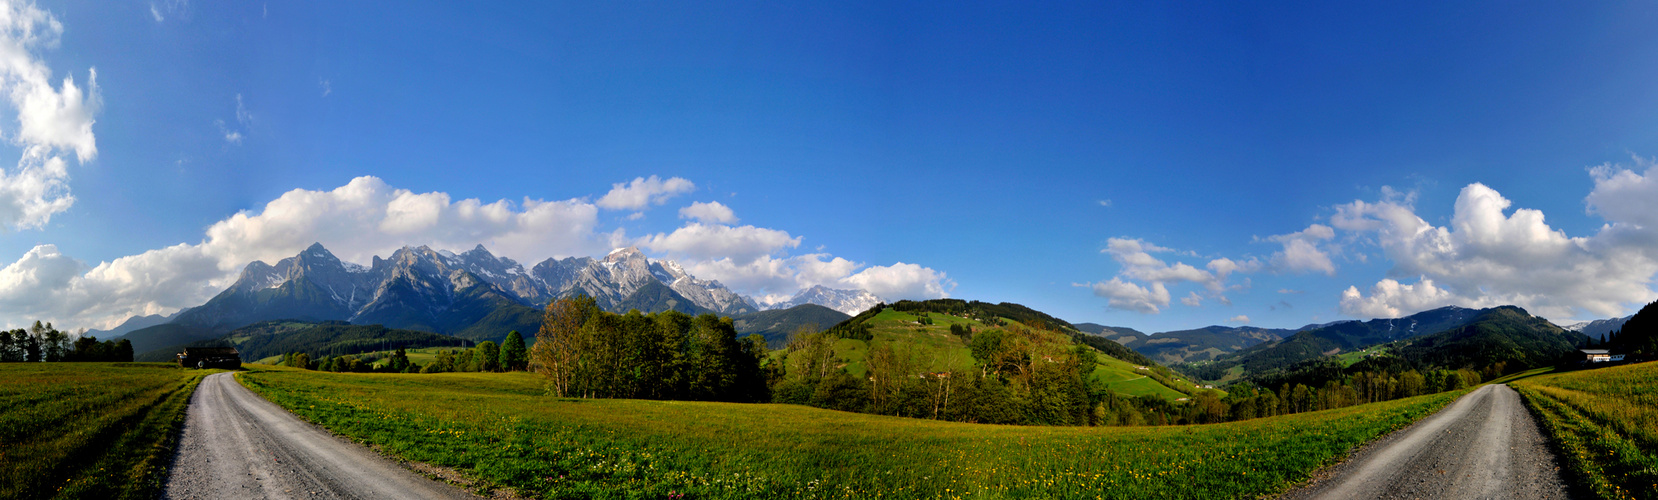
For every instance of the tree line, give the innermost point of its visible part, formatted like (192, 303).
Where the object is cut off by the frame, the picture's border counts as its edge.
(510, 355)
(42, 342)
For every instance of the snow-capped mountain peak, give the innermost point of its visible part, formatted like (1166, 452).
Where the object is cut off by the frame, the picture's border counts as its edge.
(849, 301)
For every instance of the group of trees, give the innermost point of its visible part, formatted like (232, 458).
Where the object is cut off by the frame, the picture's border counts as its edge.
(511, 355)
(1246, 401)
(587, 352)
(42, 342)
(1017, 375)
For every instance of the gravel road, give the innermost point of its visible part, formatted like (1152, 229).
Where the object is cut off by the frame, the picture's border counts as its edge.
(1485, 445)
(238, 445)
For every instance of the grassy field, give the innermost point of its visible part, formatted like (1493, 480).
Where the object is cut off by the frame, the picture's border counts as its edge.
(1605, 422)
(502, 430)
(89, 430)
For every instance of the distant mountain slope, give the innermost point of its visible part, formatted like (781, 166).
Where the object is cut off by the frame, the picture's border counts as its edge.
(1120, 334)
(1466, 338)
(777, 324)
(1334, 338)
(333, 338)
(653, 296)
(1594, 329)
(1505, 334)
(159, 336)
(1200, 344)
(132, 324)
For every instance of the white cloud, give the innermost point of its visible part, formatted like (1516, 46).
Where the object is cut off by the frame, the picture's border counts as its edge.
(644, 192)
(700, 241)
(1488, 256)
(1132, 297)
(1390, 299)
(1239, 319)
(1301, 252)
(1141, 283)
(901, 281)
(1625, 196)
(327, 87)
(1105, 203)
(51, 120)
(156, 13)
(712, 212)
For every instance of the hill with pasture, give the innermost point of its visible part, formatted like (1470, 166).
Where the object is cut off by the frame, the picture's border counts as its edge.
(940, 333)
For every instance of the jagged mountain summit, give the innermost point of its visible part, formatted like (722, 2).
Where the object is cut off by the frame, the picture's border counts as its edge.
(472, 293)
(850, 302)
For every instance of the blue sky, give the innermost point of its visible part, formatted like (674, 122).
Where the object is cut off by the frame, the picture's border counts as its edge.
(1092, 161)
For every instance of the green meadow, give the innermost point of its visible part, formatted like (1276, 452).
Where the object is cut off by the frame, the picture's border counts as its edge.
(1605, 424)
(89, 430)
(502, 430)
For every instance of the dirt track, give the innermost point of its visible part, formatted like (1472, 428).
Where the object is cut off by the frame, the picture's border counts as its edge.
(237, 445)
(1485, 445)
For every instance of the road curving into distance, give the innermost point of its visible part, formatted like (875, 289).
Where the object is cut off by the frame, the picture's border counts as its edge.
(238, 445)
(1485, 445)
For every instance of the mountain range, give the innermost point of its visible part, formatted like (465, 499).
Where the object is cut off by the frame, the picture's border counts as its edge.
(474, 295)
(1598, 327)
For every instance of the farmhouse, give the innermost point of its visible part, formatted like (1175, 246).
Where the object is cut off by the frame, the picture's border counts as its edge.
(1596, 355)
(210, 357)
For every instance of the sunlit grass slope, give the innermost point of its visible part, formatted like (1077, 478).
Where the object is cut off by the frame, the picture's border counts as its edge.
(950, 352)
(1606, 423)
(501, 429)
(89, 430)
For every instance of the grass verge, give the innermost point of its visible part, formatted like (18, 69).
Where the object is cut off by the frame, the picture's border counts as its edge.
(501, 429)
(90, 430)
(1604, 423)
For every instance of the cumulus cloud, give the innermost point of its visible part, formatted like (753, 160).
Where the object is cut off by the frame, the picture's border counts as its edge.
(708, 241)
(901, 281)
(1488, 255)
(712, 212)
(1128, 296)
(51, 120)
(1141, 283)
(644, 192)
(366, 217)
(1239, 319)
(754, 260)
(1301, 251)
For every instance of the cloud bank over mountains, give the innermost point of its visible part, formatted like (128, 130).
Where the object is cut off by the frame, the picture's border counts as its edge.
(367, 217)
(1491, 253)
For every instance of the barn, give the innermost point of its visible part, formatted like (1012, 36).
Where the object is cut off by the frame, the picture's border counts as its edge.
(210, 357)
